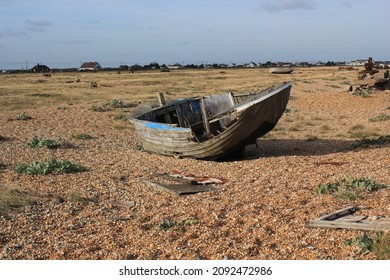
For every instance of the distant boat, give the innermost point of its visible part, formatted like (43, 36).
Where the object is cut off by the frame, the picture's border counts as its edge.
(281, 70)
(211, 127)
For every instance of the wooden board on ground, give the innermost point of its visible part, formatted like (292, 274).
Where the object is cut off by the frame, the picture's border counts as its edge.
(181, 189)
(344, 219)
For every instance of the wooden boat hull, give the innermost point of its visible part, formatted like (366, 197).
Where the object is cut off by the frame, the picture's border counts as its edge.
(252, 119)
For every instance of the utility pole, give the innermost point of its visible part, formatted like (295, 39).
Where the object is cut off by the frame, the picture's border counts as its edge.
(26, 65)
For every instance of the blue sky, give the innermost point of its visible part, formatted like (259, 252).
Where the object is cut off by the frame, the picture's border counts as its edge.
(65, 33)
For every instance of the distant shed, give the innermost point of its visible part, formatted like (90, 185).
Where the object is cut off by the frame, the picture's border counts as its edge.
(90, 66)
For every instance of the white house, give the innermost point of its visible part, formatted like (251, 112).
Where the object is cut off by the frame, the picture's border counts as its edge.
(90, 66)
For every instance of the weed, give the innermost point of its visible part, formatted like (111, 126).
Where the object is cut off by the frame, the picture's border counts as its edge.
(295, 127)
(76, 197)
(189, 222)
(381, 245)
(324, 128)
(113, 104)
(21, 117)
(82, 136)
(165, 224)
(138, 148)
(36, 142)
(380, 117)
(12, 197)
(119, 127)
(312, 138)
(364, 242)
(120, 117)
(363, 93)
(366, 142)
(48, 167)
(360, 131)
(351, 188)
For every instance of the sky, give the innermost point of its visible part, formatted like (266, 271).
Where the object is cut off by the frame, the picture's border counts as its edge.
(62, 34)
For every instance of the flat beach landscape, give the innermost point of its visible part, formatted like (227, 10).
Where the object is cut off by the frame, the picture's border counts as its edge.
(104, 210)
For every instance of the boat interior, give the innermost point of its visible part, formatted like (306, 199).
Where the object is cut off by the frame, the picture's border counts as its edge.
(206, 116)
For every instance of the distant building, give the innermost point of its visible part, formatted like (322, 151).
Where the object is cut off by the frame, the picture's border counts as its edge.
(123, 67)
(40, 68)
(175, 66)
(250, 65)
(358, 62)
(90, 66)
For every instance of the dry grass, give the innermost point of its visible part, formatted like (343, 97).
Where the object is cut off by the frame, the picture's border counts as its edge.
(12, 198)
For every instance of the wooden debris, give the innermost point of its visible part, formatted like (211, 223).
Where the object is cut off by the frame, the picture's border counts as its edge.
(181, 189)
(193, 178)
(344, 219)
(188, 183)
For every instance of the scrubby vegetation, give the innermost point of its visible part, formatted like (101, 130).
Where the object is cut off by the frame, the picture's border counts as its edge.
(351, 188)
(52, 166)
(36, 142)
(113, 104)
(366, 142)
(13, 197)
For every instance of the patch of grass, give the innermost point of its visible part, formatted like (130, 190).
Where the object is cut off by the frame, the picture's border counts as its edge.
(312, 138)
(351, 188)
(21, 117)
(381, 245)
(379, 118)
(12, 198)
(365, 243)
(295, 127)
(36, 142)
(365, 93)
(360, 131)
(166, 224)
(82, 136)
(119, 127)
(52, 166)
(366, 142)
(77, 197)
(121, 117)
(113, 104)
(324, 128)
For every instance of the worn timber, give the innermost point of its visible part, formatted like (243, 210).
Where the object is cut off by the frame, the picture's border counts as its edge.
(345, 219)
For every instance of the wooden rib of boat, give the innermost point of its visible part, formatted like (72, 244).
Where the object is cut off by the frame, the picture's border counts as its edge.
(281, 70)
(211, 127)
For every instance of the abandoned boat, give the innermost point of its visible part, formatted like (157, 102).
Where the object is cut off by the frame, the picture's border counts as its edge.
(281, 70)
(211, 127)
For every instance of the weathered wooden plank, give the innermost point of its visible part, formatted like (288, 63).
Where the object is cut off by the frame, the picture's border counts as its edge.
(181, 189)
(161, 99)
(340, 213)
(344, 219)
(366, 225)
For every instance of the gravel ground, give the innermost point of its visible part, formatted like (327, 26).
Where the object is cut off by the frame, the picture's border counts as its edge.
(259, 213)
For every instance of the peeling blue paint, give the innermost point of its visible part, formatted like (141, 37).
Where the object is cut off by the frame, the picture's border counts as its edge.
(162, 126)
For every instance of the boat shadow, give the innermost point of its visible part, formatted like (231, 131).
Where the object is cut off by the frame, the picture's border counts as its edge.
(294, 147)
